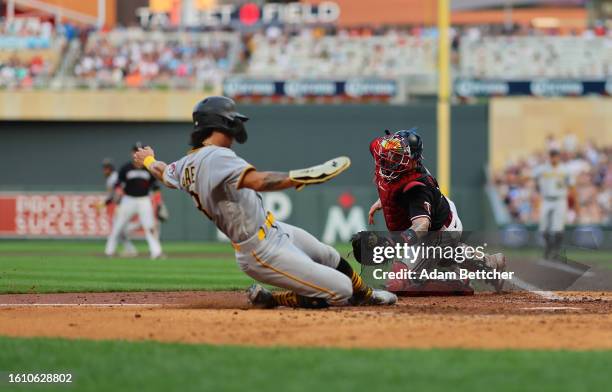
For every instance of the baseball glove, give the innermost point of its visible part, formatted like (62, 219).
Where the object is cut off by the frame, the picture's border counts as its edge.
(319, 173)
(364, 242)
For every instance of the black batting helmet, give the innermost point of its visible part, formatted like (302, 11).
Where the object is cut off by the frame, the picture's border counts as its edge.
(219, 114)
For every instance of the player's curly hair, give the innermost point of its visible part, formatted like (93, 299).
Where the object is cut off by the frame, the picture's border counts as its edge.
(198, 137)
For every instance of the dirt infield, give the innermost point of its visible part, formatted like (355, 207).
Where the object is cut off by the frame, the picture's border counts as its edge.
(577, 321)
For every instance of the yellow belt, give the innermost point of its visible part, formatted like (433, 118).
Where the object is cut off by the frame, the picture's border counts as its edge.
(261, 233)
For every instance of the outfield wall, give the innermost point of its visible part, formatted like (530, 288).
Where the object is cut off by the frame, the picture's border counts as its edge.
(520, 126)
(66, 156)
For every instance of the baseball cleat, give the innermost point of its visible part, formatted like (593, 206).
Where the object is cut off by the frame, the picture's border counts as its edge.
(381, 297)
(497, 262)
(260, 297)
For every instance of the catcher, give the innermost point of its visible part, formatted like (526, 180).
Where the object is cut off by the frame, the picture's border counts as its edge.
(225, 189)
(414, 207)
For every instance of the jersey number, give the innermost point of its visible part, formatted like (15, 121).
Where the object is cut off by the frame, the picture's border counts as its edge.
(198, 203)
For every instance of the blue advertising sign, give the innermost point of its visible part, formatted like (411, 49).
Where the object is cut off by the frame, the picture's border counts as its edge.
(538, 87)
(300, 88)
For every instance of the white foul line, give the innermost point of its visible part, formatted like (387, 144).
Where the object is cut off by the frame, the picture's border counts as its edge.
(553, 308)
(534, 289)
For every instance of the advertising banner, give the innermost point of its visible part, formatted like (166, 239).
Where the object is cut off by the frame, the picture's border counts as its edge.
(56, 215)
(350, 89)
(537, 88)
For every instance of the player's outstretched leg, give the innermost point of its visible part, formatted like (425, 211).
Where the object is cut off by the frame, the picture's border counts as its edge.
(324, 254)
(278, 262)
(362, 293)
(262, 298)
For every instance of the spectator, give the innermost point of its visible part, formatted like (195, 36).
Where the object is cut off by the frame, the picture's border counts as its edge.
(139, 59)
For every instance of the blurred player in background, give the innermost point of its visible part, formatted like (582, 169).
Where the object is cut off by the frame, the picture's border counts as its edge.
(555, 183)
(136, 185)
(113, 196)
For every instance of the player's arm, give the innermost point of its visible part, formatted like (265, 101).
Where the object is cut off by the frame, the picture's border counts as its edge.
(266, 181)
(418, 230)
(375, 207)
(417, 199)
(145, 157)
(299, 178)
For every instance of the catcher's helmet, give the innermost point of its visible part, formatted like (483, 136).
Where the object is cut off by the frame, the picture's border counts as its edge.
(397, 153)
(217, 113)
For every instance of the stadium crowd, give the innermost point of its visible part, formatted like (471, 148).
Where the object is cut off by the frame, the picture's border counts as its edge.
(137, 59)
(28, 52)
(16, 72)
(26, 33)
(312, 53)
(591, 169)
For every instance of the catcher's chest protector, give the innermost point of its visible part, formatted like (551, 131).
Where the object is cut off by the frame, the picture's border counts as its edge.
(397, 216)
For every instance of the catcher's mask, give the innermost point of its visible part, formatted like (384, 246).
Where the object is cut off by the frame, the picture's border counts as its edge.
(397, 154)
(217, 114)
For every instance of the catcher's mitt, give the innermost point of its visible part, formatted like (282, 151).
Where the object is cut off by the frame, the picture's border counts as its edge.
(363, 244)
(319, 173)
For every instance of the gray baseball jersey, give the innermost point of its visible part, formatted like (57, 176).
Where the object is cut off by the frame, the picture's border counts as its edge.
(553, 181)
(212, 176)
(283, 255)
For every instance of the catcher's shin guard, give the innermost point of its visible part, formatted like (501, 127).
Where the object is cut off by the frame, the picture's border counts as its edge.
(429, 287)
(494, 262)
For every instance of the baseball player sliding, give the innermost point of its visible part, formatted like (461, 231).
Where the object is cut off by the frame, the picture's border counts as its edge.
(225, 188)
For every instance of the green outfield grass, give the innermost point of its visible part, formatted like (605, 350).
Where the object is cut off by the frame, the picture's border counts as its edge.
(150, 366)
(49, 266)
(74, 266)
(592, 257)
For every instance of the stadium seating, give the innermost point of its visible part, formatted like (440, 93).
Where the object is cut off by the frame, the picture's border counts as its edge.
(138, 59)
(30, 52)
(303, 56)
(537, 56)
